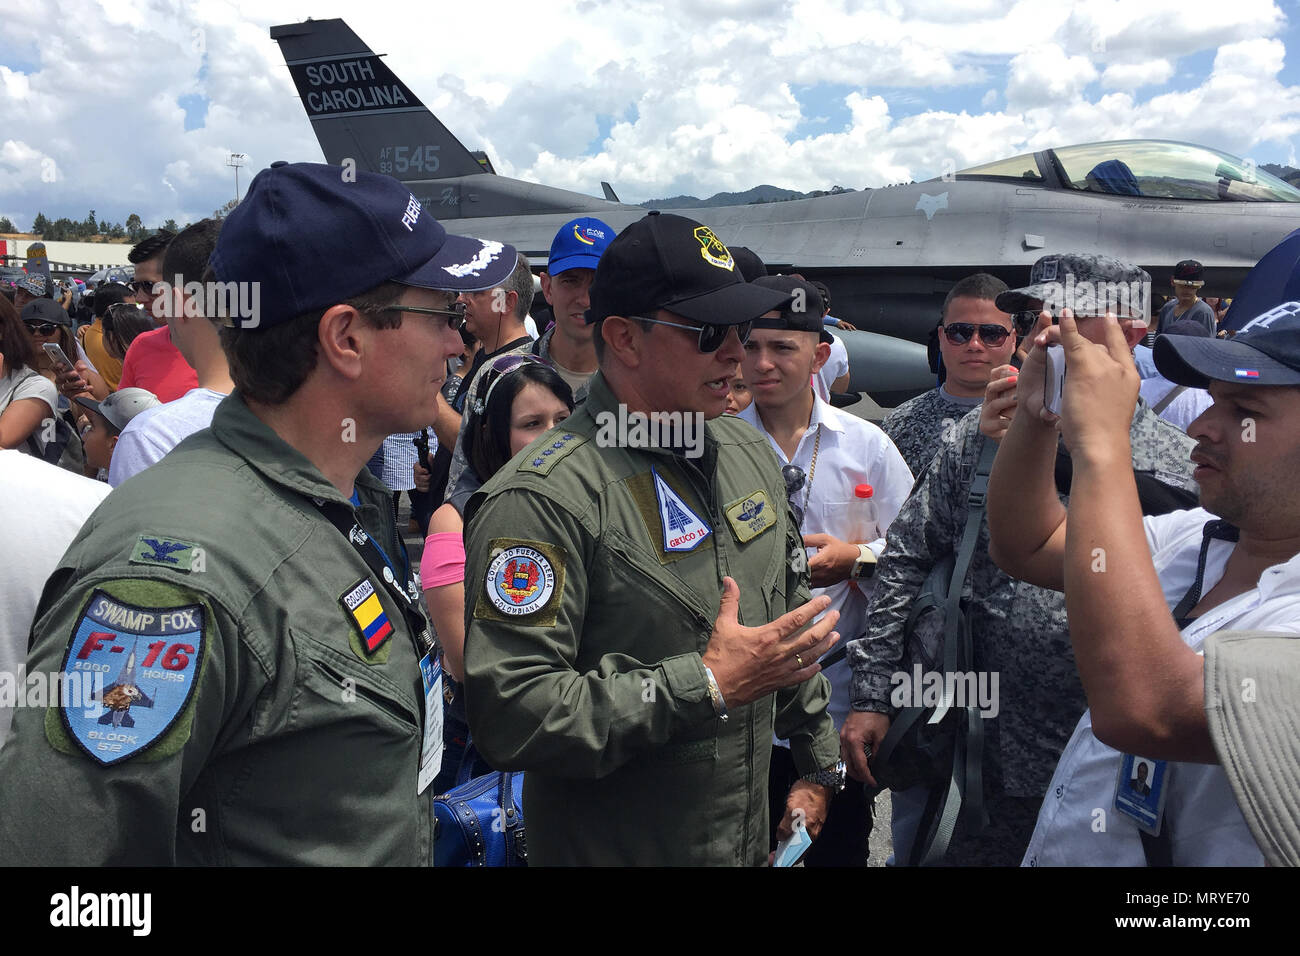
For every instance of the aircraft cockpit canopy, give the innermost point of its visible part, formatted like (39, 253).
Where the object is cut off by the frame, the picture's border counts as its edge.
(1152, 169)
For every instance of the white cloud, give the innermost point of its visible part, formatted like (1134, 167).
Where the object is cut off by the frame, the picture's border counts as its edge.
(1045, 75)
(1130, 76)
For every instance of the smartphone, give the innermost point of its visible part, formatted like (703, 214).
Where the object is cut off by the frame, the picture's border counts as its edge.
(56, 354)
(1054, 378)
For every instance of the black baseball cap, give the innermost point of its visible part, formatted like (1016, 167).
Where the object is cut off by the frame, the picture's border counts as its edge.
(1188, 270)
(313, 235)
(748, 262)
(670, 262)
(803, 311)
(1265, 352)
(45, 310)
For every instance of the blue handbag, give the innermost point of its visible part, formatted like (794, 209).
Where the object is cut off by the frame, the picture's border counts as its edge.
(480, 823)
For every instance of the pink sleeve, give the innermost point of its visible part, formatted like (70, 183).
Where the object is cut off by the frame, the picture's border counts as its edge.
(443, 561)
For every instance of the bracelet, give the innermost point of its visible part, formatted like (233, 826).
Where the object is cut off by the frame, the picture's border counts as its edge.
(715, 695)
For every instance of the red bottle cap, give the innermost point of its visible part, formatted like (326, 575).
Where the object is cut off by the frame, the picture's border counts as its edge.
(864, 491)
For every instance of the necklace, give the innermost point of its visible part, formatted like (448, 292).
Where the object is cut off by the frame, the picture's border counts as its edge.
(812, 468)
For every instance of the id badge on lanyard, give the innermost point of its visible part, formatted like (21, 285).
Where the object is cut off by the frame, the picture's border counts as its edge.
(431, 747)
(1141, 790)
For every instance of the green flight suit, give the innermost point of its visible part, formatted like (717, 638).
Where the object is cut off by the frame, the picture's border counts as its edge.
(297, 744)
(584, 635)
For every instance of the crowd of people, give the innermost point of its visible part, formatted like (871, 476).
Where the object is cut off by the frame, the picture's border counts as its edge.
(665, 574)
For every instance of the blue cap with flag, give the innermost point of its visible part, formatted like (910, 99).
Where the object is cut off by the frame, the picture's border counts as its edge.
(1265, 352)
(578, 245)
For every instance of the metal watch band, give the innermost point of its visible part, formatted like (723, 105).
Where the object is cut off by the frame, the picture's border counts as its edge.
(832, 777)
(715, 695)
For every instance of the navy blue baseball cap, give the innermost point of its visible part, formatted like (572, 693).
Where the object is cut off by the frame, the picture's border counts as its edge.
(1265, 352)
(314, 235)
(578, 245)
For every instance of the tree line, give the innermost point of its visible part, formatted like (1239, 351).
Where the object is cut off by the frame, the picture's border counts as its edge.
(64, 229)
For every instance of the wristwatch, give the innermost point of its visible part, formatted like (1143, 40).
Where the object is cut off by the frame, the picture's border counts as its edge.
(831, 777)
(865, 564)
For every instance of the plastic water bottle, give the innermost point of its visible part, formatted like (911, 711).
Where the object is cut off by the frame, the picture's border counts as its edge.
(862, 525)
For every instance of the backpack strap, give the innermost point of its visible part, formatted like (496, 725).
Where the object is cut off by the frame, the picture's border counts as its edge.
(967, 772)
(1168, 400)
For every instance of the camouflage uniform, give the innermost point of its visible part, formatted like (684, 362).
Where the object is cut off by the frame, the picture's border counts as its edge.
(917, 428)
(1020, 631)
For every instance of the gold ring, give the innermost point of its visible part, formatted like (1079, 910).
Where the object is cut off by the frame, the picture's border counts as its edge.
(799, 660)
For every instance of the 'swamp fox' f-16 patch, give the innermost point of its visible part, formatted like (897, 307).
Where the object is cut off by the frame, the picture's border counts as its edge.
(144, 662)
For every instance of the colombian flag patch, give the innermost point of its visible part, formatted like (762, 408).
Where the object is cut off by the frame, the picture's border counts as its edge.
(362, 602)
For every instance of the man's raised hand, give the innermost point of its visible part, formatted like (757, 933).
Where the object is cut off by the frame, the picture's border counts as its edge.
(752, 662)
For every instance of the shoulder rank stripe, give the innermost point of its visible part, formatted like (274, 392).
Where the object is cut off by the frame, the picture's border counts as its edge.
(544, 458)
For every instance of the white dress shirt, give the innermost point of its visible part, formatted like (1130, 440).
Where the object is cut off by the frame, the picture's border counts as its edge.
(836, 366)
(852, 452)
(1205, 824)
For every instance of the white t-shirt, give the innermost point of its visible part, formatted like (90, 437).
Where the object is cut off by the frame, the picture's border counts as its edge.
(43, 507)
(1204, 821)
(26, 383)
(836, 365)
(852, 451)
(156, 431)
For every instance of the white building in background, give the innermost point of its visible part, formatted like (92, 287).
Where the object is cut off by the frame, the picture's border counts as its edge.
(69, 256)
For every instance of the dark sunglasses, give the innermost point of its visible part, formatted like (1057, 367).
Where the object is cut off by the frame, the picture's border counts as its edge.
(140, 287)
(959, 333)
(42, 328)
(454, 313)
(711, 336)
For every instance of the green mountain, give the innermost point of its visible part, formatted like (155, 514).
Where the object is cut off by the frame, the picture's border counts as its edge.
(759, 194)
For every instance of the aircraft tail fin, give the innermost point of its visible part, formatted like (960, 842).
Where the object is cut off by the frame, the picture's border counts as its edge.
(362, 112)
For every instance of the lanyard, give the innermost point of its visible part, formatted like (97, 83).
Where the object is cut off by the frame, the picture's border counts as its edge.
(1217, 529)
(377, 561)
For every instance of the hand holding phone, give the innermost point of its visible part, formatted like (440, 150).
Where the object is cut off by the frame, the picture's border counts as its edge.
(1054, 378)
(56, 355)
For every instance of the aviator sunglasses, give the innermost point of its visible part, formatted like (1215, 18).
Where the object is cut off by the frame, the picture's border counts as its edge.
(959, 333)
(711, 336)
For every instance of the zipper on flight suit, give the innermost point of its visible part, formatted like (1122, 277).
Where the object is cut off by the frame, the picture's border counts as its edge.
(714, 506)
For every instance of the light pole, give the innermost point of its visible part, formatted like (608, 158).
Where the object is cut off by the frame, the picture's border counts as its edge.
(236, 160)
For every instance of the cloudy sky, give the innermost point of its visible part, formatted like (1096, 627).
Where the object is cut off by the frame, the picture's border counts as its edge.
(134, 105)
